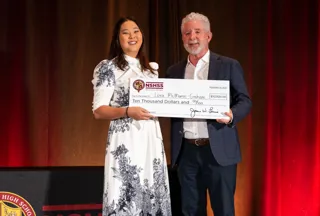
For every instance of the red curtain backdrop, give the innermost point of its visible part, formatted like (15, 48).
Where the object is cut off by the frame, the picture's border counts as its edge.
(14, 137)
(291, 179)
(49, 49)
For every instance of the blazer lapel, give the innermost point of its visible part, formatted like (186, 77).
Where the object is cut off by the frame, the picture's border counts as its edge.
(214, 66)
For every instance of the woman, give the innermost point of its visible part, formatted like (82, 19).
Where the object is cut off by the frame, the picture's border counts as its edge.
(136, 177)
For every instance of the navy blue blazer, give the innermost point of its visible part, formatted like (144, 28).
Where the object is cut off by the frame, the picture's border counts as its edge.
(224, 141)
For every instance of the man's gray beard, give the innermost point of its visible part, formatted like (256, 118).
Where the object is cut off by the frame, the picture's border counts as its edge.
(193, 52)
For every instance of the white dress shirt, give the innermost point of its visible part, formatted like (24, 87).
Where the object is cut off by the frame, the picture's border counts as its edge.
(197, 128)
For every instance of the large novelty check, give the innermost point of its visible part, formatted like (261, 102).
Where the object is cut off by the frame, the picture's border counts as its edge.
(181, 98)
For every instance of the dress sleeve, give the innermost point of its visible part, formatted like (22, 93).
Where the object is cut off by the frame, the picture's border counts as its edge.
(103, 84)
(155, 67)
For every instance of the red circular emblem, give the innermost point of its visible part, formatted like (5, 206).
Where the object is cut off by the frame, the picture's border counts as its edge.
(138, 85)
(14, 205)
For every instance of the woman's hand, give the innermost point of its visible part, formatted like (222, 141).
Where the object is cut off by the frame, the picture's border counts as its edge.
(138, 113)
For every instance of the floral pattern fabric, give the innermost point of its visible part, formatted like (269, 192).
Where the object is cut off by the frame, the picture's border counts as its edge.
(136, 177)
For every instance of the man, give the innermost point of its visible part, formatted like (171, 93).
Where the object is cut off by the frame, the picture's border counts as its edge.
(206, 152)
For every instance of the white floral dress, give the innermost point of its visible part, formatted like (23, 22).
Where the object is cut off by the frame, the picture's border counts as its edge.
(136, 178)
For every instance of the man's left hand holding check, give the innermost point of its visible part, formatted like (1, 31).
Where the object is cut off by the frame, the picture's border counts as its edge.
(228, 120)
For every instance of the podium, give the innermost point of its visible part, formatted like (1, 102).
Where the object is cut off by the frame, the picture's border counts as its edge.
(62, 191)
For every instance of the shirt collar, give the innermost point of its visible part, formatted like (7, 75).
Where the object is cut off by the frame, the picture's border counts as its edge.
(131, 60)
(204, 59)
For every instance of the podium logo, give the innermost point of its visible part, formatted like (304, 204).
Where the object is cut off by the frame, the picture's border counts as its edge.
(14, 205)
(72, 210)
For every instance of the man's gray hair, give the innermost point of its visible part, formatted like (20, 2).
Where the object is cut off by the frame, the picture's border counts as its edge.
(196, 16)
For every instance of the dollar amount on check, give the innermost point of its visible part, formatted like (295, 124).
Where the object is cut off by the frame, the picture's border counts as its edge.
(181, 98)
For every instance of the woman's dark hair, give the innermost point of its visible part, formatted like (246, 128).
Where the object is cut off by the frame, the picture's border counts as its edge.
(116, 51)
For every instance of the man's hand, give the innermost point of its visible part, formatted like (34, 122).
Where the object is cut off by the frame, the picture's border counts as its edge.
(228, 120)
